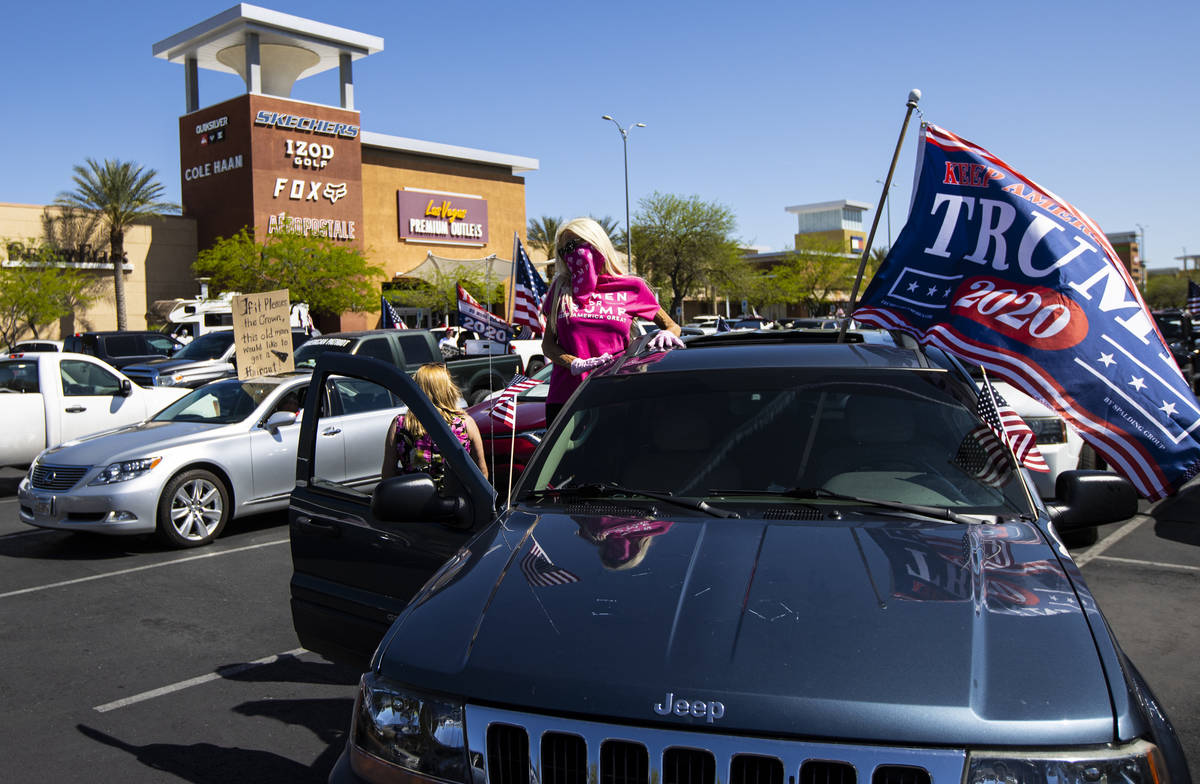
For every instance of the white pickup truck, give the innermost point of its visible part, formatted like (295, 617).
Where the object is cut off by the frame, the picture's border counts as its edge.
(49, 398)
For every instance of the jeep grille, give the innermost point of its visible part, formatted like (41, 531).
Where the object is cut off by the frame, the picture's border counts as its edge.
(533, 749)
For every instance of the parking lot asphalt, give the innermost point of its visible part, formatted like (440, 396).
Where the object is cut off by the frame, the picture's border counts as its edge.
(123, 661)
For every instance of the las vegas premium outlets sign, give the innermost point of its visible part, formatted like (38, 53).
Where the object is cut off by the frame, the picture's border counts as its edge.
(441, 217)
(274, 164)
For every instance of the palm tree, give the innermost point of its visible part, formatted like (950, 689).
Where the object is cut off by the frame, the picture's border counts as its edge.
(541, 234)
(121, 193)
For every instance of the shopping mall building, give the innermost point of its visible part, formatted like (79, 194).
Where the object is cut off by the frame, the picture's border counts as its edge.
(265, 161)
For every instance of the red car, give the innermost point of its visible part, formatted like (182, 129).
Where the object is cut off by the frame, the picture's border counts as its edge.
(499, 445)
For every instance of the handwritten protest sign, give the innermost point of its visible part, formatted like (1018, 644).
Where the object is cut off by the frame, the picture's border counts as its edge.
(263, 334)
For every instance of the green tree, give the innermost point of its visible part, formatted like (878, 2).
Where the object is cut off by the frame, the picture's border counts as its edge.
(330, 277)
(541, 232)
(815, 274)
(1166, 291)
(121, 193)
(684, 244)
(40, 291)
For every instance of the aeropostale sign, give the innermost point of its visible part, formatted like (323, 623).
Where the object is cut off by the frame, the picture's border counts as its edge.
(441, 217)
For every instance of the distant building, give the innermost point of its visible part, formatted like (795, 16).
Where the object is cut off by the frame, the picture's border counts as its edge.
(841, 221)
(1125, 243)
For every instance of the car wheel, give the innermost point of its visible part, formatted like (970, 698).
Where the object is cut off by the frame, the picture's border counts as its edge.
(193, 509)
(535, 364)
(478, 396)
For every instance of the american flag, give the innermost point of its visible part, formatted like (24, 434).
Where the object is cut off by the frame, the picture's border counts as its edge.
(1193, 298)
(389, 318)
(983, 456)
(1008, 425)
(528, 291)
(540, 571)
(505, 409)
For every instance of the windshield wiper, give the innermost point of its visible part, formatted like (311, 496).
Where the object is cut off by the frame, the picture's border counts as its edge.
(609, 490)
(937, 512)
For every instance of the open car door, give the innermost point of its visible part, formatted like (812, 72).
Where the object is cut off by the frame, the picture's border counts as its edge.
(352, 570)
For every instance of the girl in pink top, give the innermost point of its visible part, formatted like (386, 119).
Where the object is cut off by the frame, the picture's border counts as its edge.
(590, 309)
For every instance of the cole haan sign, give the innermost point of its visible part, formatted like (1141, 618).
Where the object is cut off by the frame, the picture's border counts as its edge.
(441, 217)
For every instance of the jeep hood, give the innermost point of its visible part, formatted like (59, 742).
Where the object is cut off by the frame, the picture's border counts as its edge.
(878, 629)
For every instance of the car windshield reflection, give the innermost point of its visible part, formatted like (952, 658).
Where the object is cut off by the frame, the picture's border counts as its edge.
(219, 403)
(774, 437)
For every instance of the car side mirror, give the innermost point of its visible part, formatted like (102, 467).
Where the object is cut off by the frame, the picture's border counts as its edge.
(126, 387)
(414, 498)
(1085, 499)
(279, 419)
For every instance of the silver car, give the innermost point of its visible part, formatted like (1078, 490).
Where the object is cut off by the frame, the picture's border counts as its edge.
(225, 450)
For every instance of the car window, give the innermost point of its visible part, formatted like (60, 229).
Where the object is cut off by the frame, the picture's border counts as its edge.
(901, 436)
(221, 403)
(379, 348)
(161, 344)
(124, 345)
(82, 379)
(306, 355)
(19, 375)
(416, 349)
(206, 347)
(358, 396)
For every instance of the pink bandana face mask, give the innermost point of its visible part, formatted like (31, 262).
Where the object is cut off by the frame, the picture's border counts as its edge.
(585, 264)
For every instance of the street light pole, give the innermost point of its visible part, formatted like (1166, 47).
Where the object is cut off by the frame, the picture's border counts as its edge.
(625, 149)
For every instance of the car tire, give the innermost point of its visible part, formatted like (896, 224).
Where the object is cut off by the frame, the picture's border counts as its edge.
(478, 396)
(193, 509)
(535, 364)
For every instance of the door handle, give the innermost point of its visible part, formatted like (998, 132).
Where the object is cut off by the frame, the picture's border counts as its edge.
(75, 409)
(331, 431)
(331, 530)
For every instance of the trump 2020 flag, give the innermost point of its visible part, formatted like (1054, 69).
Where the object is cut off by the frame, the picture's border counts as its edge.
(528, 291)
(474, 317)
(1002, 272)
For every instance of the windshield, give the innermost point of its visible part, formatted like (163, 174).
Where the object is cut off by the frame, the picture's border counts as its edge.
(210, 346)
(898, 436)
(219, 403)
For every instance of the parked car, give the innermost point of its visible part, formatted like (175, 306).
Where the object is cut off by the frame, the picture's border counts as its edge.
(1182, 334)
(499, 446)
(124, 347)
(207, 358)
(706, 324)
(755, 559)
(751, 323)
(476, 376)
(30, 346)
(50, 397)
(223, 451)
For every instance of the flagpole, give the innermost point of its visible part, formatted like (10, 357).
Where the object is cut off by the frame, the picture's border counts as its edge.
(914, 96)
(512, 452)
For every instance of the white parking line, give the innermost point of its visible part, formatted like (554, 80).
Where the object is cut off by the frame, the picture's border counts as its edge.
(1097, 549)
(1139, 562)
(224, 672)
(120, 572)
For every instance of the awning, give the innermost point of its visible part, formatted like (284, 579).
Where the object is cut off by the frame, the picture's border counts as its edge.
(434, 268)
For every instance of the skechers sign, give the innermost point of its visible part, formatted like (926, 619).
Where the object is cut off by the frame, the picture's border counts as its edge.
(295, 122)
(441, 217)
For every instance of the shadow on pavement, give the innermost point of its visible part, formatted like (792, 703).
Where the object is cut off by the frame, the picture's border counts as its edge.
(328, 719)
(1178, 518)
(292, 669)
(207, 763)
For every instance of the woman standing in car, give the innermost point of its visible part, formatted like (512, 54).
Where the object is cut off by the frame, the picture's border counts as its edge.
(590, 308)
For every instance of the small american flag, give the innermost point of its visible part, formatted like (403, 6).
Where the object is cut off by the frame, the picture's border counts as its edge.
(982, 456)
(390, 319)
(505, 409)
(528, 291)
(540, 571)
(1193, 298)
(1008, 425)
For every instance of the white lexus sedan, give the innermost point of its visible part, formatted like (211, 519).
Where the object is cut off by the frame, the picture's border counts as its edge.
(225, 450)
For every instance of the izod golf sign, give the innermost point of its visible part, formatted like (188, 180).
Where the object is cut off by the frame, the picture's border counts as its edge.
(441, 217)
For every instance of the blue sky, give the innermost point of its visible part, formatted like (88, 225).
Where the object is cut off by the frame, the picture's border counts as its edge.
(755, 105)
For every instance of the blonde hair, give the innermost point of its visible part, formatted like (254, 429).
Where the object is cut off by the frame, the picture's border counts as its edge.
(434, 380)
(560, 287)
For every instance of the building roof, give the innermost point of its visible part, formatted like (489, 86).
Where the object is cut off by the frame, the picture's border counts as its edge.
(825, 206)
(383, 141)
(206, 40)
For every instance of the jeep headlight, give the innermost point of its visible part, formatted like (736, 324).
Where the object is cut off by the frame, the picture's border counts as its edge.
(1137, 763)
(1048, 430)
(169, 380)
(125, 470)
(398, 733)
